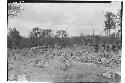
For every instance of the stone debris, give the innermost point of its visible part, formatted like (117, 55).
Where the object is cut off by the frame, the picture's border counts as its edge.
(111, 75)
(11, 77)
(22, 77)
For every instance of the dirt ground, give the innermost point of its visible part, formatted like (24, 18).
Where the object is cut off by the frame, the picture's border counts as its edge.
(52, 66)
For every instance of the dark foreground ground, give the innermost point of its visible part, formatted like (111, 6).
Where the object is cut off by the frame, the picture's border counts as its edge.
(79, 64)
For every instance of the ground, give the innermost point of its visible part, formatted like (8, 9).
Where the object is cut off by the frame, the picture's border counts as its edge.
(79, 64)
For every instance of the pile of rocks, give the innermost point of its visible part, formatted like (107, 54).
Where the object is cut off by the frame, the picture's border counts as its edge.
(110, 75)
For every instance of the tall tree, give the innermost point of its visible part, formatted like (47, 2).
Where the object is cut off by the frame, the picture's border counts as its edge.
(110, 22)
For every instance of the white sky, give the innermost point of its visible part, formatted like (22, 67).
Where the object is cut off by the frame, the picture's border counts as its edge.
(75, 17)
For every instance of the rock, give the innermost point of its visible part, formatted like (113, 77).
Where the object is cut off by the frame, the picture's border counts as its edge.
(22, 77)
(111, 75)
(11, 77)
(108, 75)
(46, 64)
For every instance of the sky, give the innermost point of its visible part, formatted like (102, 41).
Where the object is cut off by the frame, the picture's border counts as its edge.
(76, 18)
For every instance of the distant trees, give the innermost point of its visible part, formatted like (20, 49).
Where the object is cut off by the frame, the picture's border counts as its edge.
(41, 33)
(47, 33)
(46, 38)
(62, 38)
(40, 36)
(14, 38)
(35, 33)
(61, 34)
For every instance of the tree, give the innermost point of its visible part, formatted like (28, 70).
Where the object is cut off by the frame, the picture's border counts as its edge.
(40, 37)
(62, 39)
(46, 36)
(119, 15)
(34, 36)
(14, 9)
(35, 33)
(13, 38)
(61, 34)
(41, 33)
(25, 42)
(110, 22)
(46, 33)
(119, 23)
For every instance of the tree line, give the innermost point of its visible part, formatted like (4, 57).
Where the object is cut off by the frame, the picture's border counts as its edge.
(45, 37)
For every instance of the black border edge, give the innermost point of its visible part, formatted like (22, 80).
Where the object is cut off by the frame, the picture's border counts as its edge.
(55, 1)
(121, 19)
(7, 38)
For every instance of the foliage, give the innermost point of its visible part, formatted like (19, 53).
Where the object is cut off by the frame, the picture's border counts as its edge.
(61, 34)
(45, 37)
(109, 22)
(41, 33)
(14, 9)
(113, 21)
(13, 39)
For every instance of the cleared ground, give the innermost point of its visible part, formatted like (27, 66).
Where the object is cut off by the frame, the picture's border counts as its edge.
(78, 64)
